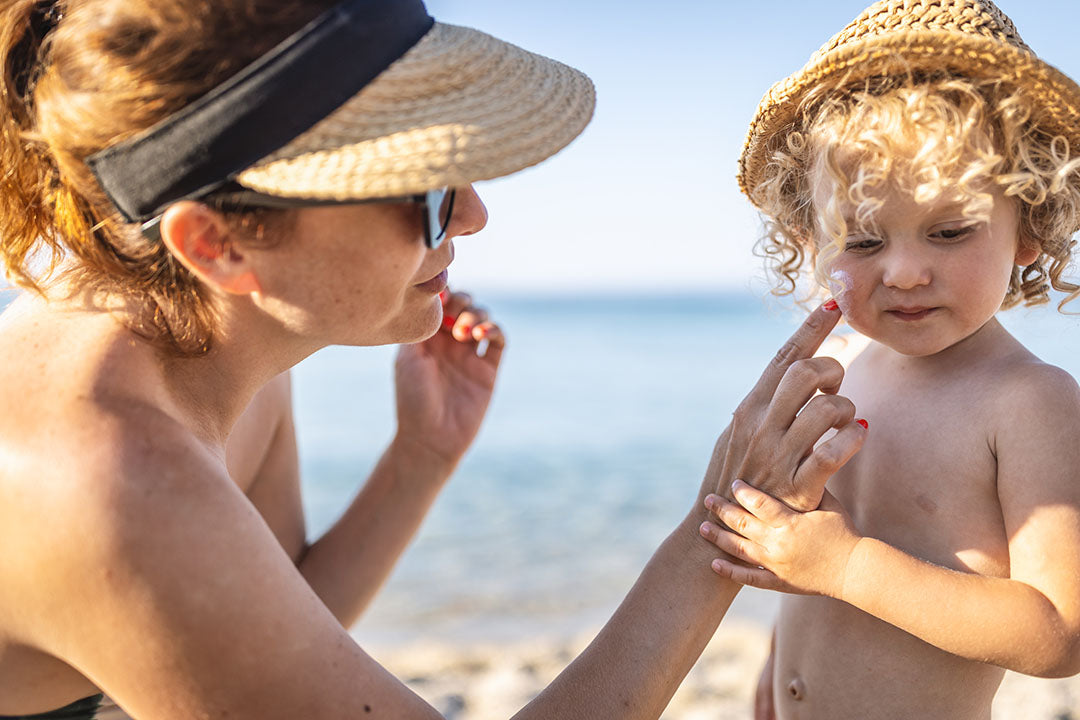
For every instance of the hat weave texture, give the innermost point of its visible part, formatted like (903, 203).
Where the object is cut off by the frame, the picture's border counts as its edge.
(459, 107)
(968, 38)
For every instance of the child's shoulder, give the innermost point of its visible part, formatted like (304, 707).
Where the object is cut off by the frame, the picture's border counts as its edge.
(1032, 398)
(1026, 381)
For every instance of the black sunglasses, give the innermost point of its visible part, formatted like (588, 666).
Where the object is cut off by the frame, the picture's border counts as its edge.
(437, 207)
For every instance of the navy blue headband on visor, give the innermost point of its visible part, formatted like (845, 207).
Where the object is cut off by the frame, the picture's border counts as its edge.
(260, 109)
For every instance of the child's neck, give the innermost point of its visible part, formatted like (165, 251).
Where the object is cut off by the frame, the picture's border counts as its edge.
(986, 344)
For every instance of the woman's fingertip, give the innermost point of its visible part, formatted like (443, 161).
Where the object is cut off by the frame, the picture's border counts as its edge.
(448, 322)
(864, 423)
(831, 306)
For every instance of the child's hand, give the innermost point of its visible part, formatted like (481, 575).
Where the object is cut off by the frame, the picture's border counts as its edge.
(789, 551)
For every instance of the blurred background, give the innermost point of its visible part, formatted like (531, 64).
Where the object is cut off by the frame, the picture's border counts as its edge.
(637, 315)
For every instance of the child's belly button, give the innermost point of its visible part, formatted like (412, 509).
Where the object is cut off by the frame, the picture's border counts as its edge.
(796, 688)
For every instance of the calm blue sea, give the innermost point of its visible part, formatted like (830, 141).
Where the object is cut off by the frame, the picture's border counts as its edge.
(594, 447)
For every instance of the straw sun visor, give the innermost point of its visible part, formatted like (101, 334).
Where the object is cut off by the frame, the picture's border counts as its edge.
(970, 38)
(458, 107)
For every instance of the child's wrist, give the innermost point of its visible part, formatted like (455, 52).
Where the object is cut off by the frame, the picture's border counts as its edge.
(849, 586)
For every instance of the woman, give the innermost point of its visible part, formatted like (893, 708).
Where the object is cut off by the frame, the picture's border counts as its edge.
(199, 195)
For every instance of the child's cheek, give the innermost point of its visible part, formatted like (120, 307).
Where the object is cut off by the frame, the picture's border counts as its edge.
(842, 287)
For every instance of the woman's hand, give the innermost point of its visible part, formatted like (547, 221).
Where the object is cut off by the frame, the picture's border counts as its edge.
(771, 440)
(785, 550)
(444, 384)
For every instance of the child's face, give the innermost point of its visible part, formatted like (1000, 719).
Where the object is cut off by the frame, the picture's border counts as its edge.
(928, 276)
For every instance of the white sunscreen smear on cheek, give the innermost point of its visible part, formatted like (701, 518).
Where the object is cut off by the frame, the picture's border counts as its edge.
(841, 284)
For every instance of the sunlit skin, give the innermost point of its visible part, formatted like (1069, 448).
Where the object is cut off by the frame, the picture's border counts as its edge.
(151, 510)
(949, 548)
(356, 274)
(930, 276)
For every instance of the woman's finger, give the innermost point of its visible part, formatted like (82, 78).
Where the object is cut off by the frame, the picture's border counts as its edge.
(453, 305)
(824, 461)
(764, 507)
(468, 319)
(800, 383)
(752, 576)
(802, 344)
(490, 341)
(821, 414)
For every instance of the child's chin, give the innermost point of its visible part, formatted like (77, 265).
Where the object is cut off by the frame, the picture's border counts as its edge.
(915, 348)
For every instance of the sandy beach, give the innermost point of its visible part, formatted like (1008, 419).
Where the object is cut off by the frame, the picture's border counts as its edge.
(491, 682)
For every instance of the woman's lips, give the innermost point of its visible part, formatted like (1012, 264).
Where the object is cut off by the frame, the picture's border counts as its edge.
(910, 314)
(435, 285)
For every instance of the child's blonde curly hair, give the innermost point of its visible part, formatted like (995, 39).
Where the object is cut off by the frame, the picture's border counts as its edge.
(931, 137)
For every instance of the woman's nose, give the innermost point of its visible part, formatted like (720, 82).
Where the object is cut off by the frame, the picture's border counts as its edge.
(469, 214)
(905, 269)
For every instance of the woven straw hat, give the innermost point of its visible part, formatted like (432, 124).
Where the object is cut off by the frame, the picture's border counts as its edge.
(971, 38)
(458, 107)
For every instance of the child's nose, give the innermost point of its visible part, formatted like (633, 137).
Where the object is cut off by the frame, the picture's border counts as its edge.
(905, 270)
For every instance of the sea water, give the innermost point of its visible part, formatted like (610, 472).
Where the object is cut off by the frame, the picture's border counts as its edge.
(594, 447)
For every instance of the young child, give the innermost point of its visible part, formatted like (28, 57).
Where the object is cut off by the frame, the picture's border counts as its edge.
(926, 165)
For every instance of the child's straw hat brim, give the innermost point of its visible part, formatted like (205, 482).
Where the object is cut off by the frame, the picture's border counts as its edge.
(458, 107)
(969, 38)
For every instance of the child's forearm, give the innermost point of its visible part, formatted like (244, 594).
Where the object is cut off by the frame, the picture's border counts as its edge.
(995, 620)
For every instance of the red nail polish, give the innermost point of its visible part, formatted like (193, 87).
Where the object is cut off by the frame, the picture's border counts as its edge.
(865, 424)
(448, 322)
(831, 305)
(444, 295)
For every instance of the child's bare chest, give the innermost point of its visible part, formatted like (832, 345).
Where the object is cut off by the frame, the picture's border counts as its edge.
(926, 479)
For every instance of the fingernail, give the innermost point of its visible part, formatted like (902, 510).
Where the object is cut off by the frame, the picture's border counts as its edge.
(448, 322)
(483, 333)
(705, 529)
(737, 483)
(865, 424)
(710, 501)
(444, 295)
(831, 305)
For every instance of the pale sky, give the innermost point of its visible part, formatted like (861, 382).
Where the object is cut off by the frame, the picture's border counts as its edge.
(646, 198)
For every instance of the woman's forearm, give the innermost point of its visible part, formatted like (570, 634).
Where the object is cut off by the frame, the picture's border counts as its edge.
(635, 664)
(996, 620)
(350, 562)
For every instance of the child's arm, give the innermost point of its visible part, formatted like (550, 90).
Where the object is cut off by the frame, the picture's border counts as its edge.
(1029, 622)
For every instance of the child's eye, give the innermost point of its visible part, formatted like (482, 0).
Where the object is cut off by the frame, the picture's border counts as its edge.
(861, 244)
(953, 234)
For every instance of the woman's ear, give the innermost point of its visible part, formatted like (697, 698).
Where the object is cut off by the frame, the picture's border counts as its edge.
(200, 239)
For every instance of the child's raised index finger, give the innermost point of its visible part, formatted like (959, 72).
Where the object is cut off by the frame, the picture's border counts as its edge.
(801, 345)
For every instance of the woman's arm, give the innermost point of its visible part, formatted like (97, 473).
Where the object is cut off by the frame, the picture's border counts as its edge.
(164, 586)
(1029, 622)
(443, 390)
(633, 667)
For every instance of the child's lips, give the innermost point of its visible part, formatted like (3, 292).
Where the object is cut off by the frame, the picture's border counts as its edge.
(910, 314)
